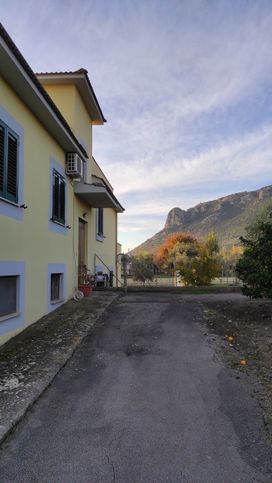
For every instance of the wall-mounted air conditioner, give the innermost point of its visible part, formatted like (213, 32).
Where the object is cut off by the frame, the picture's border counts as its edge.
(74, 165)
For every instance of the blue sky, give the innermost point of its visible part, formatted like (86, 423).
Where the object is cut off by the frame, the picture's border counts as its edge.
(186, 87)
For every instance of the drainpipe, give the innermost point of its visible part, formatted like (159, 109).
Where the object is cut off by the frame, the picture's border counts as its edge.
(116, 232)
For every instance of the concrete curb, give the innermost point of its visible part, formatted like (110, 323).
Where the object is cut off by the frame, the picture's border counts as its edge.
(205, 289)
(30, 362)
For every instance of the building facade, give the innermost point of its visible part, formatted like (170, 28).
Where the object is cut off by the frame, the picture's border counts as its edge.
(58, 212)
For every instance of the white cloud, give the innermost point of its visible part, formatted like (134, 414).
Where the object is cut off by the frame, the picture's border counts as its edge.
(250, 156)
(174, 80)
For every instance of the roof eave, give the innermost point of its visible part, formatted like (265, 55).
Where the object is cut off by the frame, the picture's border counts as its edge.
(14, 73)
(82, 82)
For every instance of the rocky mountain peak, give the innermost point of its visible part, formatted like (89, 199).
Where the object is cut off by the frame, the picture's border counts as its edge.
(228, 217)
(176, 216)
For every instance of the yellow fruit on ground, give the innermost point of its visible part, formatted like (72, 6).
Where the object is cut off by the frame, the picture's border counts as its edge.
(230, 338)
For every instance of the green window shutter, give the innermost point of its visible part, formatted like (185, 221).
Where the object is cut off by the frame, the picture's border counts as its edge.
(2, 158)
(62, 200)
(100, 216)
(58, 204)
(12, 168)
(55, 195)
(102, 220)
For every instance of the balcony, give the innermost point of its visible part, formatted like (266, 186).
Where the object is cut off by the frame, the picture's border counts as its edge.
(97, 195)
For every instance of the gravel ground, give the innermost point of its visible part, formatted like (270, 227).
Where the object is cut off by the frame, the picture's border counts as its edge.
(249, 323)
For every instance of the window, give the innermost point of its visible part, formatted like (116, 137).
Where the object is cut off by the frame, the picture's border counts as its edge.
(100, 229)
(58, 205)
(12, 295)
(8, 295)
(9, 144)
(56, 287)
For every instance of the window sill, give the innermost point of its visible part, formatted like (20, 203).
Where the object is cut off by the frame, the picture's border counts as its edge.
(55, 302)
(58, 223)
(3, 318)
(13, 203)
(100, 237)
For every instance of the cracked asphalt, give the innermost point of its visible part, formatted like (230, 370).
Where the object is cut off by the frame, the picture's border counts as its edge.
(144, 399)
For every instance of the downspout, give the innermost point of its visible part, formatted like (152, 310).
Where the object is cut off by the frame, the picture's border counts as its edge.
(116, 233)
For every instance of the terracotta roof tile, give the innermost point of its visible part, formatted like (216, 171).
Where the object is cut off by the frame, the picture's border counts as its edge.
(68, 72)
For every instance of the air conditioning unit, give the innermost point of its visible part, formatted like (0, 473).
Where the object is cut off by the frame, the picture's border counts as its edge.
(74, 166)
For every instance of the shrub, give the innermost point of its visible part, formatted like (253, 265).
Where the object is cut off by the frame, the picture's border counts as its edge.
(255, 266)
(142, 268)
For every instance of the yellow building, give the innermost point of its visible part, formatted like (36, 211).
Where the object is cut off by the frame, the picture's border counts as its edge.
(58, 212)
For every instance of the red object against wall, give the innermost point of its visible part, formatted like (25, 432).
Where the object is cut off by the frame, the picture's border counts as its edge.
(86, 290)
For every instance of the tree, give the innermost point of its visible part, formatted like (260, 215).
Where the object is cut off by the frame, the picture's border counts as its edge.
(212, 244)
(196, 262)
(229, 256)
(264, 216)
(167, 252)
(255, 266)
(142, 268)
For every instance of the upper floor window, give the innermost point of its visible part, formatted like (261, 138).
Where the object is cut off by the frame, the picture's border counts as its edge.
(100, 222)
(58, 204)
(9, 146)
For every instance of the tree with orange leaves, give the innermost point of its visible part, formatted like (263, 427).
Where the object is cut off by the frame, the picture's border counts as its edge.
(166, 252)
(196, 261)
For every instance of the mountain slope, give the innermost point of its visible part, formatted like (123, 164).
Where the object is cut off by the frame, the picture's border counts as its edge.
(227, 217)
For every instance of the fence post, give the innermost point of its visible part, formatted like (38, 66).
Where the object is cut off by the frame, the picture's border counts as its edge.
(124, 261)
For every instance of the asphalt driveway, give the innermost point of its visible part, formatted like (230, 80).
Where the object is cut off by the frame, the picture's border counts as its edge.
(144, 399)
